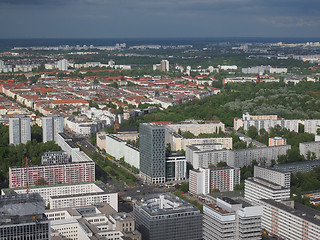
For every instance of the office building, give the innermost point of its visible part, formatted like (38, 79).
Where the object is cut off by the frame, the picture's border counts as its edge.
(165, 216)
(152, 152)
(22, 217)
(176, 167)
(50, 158)
(203, 181)
(228, 218)
(272, 175)
(19, 130)
(51, 126)
(52, 174)
(290, 220)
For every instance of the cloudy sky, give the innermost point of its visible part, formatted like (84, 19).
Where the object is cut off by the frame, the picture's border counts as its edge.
(158, 18)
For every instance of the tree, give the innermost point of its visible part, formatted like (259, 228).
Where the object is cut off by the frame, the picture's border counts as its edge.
(222, 164)
(252, 132)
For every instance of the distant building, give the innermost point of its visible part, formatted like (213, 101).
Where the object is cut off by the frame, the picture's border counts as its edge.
(19, 130)
(203, 181)
(166, 216)
(231, 219)
(294, 167)
(164, 66)
(152, 152)
(22, 217)
(272, 175)
(277, 141)
(62, 65)
(290, 220)
(51, 126)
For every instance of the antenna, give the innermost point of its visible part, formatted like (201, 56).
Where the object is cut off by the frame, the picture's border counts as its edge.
(27, 176)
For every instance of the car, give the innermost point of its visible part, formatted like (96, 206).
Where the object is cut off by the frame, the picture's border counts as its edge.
(138, 191)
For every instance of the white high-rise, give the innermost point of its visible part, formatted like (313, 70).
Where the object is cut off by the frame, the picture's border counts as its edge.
(63, 65)
(19, 130)
(51, 126)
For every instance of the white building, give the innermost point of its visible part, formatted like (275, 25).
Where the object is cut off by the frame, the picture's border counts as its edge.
(66, 143)
(199, 181)
(273, 175)
(257, 189)
(62, 65)
(176, 167)
(289, 220)
(231, 219)
(311, 125)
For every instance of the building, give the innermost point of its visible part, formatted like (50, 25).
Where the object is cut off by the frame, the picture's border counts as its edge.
(305, 166)
(228, 218)
(50, 158)
(256, 189)
(152, 152)
(62, 65)
(71, 195)
(164, 66)
(176, 167)
(51, 126)
(290, 220)
(166, 216)
(19, 130)
(197, 127)
(68, 145)
(52, 174)
(234, 158)
(99, 221)
(277, 141)
(272, 175)
(307, 149)
(22, 217)
(203, 181)
(311, 125)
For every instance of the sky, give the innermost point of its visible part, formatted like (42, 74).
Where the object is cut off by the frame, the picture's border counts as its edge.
(159, 18)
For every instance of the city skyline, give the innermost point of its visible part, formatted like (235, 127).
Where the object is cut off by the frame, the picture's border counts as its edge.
(143, 19)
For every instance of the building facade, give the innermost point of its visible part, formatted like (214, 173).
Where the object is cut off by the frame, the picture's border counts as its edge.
(272, 175)
(51, 126)
(152, 152)
(307, 148)
(176, 167)
(52, 174)
(50, 158)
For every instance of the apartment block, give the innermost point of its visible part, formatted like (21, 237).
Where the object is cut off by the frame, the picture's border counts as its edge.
(203, 181)
(51, 126)
(275, 176)
(305, 166)
(50, 158)
(228, 218)
(19, 130)
(52, 174)
(290, 220)
(310, 147)
(277, 141)
(311, 125)
(165, 216)
(66, 143)
(256, 189)
(234, 158)
(198, 127)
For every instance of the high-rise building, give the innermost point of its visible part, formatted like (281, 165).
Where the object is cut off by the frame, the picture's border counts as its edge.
(272, 175)
(164, 66)
(19, 130)
(152, 152)
(176, 167)
(51, 126)
(231, 219)
(63, 65)
(203, 181)
(167, 217)
(22, 217)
